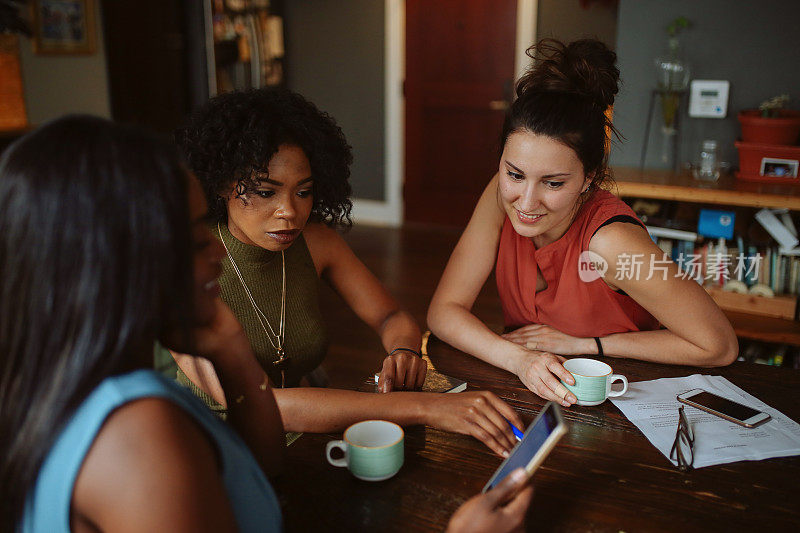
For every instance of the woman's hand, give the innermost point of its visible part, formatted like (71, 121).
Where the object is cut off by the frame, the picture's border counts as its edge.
(480, 414)
(540, 372)
(500, 510)
(402, 370)
(222, 335)
(548, 339)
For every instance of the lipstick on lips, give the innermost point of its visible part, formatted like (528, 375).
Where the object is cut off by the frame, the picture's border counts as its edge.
(284, 236)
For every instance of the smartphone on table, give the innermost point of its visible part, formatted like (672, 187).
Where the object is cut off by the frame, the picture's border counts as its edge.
(539, 440)
(724, 408)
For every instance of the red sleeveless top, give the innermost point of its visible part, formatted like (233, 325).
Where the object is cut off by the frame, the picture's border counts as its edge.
(572, 306)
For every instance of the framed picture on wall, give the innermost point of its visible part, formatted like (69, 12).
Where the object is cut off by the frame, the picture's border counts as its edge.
(63, 26)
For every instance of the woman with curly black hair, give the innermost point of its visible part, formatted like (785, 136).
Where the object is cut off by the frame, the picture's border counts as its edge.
(275, 171)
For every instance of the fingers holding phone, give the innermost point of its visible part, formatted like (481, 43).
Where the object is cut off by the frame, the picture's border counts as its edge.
(501, 509)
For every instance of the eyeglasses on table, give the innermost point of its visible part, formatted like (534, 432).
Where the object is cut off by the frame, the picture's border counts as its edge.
(683, 447)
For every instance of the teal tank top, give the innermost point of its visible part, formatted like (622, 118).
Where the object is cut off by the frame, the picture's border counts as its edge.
(47, 507)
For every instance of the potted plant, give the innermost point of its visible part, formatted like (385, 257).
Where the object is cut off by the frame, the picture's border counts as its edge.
(771, 123)
(12, 112)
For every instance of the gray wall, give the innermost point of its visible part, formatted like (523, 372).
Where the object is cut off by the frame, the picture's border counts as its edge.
(568, 21)
(754, 45)
(335, 58)
(56, 85)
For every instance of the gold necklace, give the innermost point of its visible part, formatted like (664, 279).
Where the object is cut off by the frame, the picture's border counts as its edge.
(262, 318)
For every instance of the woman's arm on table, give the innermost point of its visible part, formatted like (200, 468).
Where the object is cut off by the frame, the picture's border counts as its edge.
(450, 314)
(476, 413)
(229, 371)
(368, 298)
(697, 332)
(319, 410)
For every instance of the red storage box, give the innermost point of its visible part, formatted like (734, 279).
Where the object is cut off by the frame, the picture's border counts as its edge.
(751, 156)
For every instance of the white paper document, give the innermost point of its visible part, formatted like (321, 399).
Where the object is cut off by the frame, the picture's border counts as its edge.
(653, 408)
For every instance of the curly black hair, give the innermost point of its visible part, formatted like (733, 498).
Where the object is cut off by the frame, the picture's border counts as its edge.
(234, 135)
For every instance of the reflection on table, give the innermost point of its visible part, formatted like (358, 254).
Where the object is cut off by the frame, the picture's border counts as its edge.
(603, 476)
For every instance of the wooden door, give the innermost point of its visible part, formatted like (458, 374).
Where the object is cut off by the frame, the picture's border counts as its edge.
(148, 61)
(459, 76)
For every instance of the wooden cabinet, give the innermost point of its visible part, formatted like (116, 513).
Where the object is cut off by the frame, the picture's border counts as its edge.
(728, 191)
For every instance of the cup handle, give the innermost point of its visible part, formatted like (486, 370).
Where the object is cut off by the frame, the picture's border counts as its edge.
(336, 444)
(618, 377)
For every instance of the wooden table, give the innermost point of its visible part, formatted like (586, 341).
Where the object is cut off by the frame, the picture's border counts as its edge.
(603, 476)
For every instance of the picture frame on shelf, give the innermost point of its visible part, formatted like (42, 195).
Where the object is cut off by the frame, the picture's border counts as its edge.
(783, 168)
(64, 27)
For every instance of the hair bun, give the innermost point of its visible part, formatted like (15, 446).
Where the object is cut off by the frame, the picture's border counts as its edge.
(585, 68)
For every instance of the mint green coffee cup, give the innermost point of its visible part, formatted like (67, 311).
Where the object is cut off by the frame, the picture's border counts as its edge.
(593, 381)
(373, 450)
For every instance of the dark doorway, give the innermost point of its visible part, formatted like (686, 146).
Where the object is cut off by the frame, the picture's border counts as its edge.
(156, 60)
(459, 77)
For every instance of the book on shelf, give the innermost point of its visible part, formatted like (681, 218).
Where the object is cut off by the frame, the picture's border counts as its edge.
(670, 233)
(716, 262)
(777, 229)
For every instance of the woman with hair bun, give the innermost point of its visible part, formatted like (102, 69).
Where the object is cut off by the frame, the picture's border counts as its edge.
(545, 214)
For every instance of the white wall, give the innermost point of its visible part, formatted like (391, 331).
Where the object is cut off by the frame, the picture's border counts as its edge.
(56, 85)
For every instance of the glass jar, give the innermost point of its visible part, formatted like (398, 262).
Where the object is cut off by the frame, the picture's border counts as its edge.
(708, 170)
(672, 78)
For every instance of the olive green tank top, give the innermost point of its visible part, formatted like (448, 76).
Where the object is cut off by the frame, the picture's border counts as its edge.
(306, 341)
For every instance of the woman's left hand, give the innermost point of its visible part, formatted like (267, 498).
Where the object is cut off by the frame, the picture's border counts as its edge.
(544, 338)
(402, 371)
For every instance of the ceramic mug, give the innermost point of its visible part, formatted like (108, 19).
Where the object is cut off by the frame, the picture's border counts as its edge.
(373, 450)
(593, 381)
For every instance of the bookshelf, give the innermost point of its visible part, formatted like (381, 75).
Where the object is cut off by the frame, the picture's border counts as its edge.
(682, 187)
(728, 191)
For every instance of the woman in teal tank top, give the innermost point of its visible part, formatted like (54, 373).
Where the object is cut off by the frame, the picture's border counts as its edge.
(96, 251)
(95, 248)
(275, 171)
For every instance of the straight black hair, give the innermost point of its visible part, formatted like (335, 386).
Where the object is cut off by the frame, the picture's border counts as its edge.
(95, 262)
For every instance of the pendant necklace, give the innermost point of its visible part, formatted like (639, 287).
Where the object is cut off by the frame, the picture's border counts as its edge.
(279, 337)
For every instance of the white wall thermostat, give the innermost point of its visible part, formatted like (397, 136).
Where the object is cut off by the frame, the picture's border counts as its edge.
(709, 98)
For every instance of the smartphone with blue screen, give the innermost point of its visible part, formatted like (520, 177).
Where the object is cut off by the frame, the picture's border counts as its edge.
(539, 440)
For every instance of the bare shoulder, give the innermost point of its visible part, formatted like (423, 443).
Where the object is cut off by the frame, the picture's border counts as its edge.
(325, 245)
(148, 452)
(619, 244)
(489, 209)
(318, 234)
(483, 230)
(620, 237)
